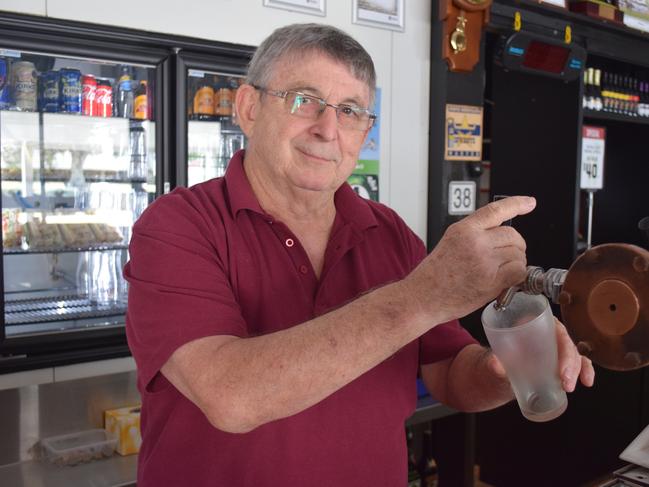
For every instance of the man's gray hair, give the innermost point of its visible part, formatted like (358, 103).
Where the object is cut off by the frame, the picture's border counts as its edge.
(297, 40)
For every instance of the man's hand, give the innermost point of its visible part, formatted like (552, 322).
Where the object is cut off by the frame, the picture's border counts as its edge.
(571, 363)
(473, 262)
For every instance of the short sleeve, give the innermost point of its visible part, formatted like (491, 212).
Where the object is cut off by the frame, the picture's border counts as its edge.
(443, 342)
(179, 290)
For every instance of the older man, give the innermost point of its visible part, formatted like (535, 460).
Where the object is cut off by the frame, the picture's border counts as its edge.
(279, 321)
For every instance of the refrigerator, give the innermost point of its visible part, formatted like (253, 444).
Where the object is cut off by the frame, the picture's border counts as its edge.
(206, 116)
(95, 123)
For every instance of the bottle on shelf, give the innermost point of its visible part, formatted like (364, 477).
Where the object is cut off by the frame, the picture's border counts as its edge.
(203, 103)
(141, 101)
(597, 91)
(223, 99)
(83, 277)
(104, 289)
(137, 151)
(643, 103)
(588, 89)
(124, 97)
(584, 98)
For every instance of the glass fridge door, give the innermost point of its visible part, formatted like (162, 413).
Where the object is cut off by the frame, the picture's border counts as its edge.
(77, 141)
(213, 135)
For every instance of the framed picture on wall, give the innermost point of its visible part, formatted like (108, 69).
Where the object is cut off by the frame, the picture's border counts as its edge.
(314, 7)
(386, 14)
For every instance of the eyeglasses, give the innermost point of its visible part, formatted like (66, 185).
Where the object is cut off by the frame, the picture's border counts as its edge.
(308, 106)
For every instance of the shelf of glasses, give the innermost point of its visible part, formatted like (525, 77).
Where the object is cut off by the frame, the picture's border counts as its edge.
(60, 250)
(59, 308)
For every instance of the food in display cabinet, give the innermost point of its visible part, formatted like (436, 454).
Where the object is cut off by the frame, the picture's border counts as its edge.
(61, 235)
(43, 235)
(77, 234)
(105, 233)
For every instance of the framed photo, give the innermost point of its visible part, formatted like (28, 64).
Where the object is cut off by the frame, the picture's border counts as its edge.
(313, 7)
(556, 3)
(386, 14)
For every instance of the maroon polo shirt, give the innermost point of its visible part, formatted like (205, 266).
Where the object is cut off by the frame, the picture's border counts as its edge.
(208, 260)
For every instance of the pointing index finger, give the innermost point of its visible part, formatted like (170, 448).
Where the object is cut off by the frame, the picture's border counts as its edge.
(494, 214)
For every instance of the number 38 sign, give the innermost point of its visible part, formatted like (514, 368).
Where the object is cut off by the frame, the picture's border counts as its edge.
(592, 157)
(461, 197)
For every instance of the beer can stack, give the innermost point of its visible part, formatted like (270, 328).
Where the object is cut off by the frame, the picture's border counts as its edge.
(66, 90)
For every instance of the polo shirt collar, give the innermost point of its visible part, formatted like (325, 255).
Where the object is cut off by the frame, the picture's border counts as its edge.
(349, 205)
(238, 187)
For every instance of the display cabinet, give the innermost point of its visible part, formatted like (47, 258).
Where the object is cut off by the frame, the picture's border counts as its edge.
(95, 122)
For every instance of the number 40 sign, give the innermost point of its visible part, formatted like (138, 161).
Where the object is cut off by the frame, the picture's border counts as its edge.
(592, 157)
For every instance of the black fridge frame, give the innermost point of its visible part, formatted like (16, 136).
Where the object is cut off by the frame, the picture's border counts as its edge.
(168, 54)
(186, 60)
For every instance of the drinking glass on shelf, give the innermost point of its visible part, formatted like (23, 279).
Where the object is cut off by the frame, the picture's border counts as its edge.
(83, 276)
(104, 278)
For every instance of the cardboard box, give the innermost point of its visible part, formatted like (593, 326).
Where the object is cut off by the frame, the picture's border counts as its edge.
(124, 424)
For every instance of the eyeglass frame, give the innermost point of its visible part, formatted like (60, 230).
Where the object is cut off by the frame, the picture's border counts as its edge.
(322, 103)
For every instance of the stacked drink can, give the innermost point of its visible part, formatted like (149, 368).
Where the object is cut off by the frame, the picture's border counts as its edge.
(70, 90)
(67, 90)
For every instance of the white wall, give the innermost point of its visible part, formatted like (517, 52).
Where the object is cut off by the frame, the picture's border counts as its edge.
(402, 62)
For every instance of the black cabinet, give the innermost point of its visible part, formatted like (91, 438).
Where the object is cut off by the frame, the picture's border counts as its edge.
(532, 134)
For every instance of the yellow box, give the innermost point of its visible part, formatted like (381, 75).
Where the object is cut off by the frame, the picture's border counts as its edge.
(124, 424)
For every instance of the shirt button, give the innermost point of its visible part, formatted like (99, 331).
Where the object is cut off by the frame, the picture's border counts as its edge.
(289, 242)
(304, 269)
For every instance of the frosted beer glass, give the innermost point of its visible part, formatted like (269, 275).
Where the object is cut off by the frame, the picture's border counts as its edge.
(523, 337)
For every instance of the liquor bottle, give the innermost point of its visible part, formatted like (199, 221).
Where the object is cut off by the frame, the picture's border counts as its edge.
(616, 93)
(643, 105)
(635, 96)
(589, 88)
(427, 464)
(597, 91)
(586, 99)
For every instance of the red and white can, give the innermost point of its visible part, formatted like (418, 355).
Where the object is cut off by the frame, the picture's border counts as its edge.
(104, 98)
(89, 95)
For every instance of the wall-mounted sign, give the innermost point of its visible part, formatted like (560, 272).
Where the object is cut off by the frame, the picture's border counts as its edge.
(461, 197)
(314, 7)
(386, 14)
(592, 157)
(365, 179)
(463, 139)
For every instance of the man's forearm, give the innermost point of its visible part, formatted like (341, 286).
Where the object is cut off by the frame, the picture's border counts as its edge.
(251, 381)
(471, 383)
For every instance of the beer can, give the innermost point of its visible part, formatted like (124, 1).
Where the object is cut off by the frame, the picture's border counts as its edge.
(5, 90)
(89, 95)
(104, 97)
(70, 92)
(49, 91)
(23, 76)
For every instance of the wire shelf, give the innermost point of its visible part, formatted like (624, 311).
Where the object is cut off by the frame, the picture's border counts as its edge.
(59, 308)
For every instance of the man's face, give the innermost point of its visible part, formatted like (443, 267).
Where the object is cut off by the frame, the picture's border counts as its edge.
(299, 153)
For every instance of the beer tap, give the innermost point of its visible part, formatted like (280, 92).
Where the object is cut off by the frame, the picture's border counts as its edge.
(537, 281)
(604, 300)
